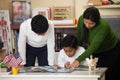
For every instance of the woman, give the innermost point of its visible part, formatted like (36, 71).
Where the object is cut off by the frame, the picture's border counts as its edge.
(95, 34)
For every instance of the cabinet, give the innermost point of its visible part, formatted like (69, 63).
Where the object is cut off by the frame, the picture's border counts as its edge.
(60, 32)
(2, 53)
(15, 26)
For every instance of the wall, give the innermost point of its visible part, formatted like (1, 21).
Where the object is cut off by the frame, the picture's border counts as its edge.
(6, 4)
(114, 22)
(78, 6)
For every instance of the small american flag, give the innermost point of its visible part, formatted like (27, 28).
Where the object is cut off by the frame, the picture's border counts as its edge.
(16, 60)
(7, 59)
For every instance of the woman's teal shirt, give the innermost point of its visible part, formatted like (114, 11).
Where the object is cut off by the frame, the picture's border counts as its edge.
(100, 38)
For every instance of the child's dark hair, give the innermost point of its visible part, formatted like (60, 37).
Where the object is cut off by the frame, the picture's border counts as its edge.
(39, 24)
(93, 14)
(70, 41)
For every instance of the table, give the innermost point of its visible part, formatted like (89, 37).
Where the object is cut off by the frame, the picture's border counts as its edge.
(99, 74)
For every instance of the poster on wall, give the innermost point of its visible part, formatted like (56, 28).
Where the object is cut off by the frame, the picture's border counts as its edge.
(20, 11)
(5, 30)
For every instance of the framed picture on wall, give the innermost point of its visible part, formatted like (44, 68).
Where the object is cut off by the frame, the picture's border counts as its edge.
(20, 11)
(45, 11)
(5, 30)
(61, 12)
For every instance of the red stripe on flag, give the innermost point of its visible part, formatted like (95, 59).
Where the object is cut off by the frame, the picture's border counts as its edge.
(7, 60)
(16, 62)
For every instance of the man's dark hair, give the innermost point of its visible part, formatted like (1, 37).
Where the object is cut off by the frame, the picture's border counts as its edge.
(39, 24)
(93, 14)
(70, 41)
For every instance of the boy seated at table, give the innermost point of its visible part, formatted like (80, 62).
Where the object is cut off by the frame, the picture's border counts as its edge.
(69, 52)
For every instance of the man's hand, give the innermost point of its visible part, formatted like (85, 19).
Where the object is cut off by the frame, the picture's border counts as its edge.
(21, 66)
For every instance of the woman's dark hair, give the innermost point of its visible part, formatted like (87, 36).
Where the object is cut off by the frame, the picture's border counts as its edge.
(93, 14)
(39, 24)
(70, 41)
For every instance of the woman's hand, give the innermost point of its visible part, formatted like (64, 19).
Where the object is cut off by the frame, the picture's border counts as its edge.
(75, 64)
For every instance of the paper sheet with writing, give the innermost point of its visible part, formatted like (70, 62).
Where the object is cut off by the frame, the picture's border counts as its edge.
(50, 69)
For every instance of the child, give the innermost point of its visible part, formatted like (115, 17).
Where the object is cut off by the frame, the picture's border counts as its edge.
(69, 52)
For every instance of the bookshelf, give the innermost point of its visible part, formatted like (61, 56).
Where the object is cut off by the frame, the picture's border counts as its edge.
(60, 31)
(106, 6)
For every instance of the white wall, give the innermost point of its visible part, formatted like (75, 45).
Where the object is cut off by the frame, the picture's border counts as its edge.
(80, 7)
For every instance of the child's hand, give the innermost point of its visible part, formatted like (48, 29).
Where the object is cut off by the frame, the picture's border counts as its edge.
(67, 65)
(56, 66)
